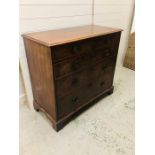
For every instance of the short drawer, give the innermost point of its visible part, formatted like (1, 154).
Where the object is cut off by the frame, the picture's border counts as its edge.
(109, 40)
(105, 52)
(62, 52)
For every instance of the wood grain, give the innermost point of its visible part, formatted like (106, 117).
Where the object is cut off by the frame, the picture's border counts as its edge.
(67, 78)
(40, 67)
(67, 35)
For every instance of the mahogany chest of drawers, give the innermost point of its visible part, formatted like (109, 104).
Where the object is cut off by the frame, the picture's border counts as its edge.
(70, 69)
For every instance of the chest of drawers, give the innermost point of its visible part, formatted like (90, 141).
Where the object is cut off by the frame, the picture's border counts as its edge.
(71, 69)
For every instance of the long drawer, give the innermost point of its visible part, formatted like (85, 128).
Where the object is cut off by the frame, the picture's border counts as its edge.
(99, 79)
(109, 40)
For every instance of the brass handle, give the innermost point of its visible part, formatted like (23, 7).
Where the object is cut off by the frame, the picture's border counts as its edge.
(75, 100)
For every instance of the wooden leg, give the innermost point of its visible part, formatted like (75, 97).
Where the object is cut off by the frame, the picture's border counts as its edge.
(36, 107)
(110, 91)
(58, 126)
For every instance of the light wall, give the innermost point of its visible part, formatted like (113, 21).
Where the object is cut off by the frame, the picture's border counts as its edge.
(21, 86)
(39, 15)
(115, 13)
(22, 94)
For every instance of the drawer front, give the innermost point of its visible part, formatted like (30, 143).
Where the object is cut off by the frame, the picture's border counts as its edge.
(106, 52)
(99, 82)
(74, 65)
(104, 80)
(85, 77)
(71, 83)
(72, 49)
(62, 52)
(70, 103)
(97, 49)
(71, 65)
(109, 40)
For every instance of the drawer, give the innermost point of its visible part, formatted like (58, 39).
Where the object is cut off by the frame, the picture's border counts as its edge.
(83, 78)
(105, 52)
(72, 82)
(70, 103)
(62, 52)
(103, 81)
(106, 41)
(70, 66)
(81, 96)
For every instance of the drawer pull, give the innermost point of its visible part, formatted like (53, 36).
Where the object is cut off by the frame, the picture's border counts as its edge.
(102, 83)
(75, 100)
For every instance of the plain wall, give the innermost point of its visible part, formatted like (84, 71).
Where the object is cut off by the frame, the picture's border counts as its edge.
(22, 93)
(39, 15)
(115, 13)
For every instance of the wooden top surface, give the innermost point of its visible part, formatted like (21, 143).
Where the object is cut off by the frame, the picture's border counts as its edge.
(61, 36)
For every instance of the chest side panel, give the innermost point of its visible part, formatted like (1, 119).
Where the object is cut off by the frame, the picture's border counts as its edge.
(41, 73)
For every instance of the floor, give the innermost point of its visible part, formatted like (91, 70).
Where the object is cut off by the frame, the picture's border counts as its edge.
(107, 128)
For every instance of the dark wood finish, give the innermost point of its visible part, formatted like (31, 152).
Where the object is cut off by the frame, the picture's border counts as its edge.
(69, 50)
(91, 54)
(69, 76)
(94, 84)
(40, 67)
